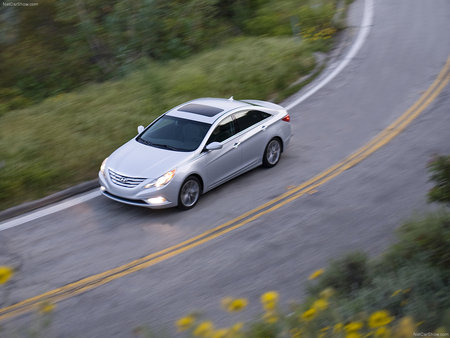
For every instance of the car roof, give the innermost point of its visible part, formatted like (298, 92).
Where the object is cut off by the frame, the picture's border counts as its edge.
(207, 109)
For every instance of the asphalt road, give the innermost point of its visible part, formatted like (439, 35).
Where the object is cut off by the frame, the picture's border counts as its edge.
(406, 48)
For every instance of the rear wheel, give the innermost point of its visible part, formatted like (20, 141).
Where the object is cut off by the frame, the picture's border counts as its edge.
(272, 153)
(189, 193)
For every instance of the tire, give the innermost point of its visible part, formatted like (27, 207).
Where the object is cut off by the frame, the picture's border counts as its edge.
(272, 153)
(189, 193)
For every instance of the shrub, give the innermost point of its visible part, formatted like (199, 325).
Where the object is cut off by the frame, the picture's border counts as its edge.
(440, 174)
(345, 275)
(425, 240)
(410, 279)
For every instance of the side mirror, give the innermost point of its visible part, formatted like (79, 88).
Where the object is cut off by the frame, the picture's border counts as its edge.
(140, 129)
(214, 146)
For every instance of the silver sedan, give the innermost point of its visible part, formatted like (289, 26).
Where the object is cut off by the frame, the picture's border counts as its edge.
(192, 149)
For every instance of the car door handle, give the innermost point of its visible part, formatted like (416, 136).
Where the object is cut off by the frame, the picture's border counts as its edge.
(236, 145)
(263, 128)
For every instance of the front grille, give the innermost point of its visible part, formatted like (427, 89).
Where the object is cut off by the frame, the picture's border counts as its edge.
(125, 181)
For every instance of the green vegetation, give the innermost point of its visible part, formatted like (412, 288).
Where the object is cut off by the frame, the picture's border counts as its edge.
(156, 54)
(440, 169)
(97, 40)
(410, 279)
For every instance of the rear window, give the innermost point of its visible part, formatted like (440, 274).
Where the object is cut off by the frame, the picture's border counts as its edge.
(247, 119)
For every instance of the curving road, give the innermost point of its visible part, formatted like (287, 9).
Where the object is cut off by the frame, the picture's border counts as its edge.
(402, 62)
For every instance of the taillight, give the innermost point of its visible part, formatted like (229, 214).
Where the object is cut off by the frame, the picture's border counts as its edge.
(287, 118)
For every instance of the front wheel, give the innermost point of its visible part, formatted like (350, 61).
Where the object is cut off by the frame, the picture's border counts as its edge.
(189, 193)
(272, 153)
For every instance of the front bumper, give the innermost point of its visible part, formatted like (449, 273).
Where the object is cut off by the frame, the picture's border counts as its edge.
(155, 198)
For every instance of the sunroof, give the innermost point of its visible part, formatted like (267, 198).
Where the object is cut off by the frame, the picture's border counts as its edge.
(200, 109)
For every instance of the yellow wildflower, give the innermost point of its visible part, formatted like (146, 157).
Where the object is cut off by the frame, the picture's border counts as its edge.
(338, 327)
(237, 327)
(270, 317)
(396, 292)
(308, 315)
(237, 305)
(327, 293)
(353, 327)
(383, 332)
(185, 323)
(405, 328)
(379, 318)
(220, 333)
(295, 332)
(46, 307)
(320, 304)
(353, 335)
(316, 274)
(204, 329)
(323, 332)
(269, 300)
(6, 274)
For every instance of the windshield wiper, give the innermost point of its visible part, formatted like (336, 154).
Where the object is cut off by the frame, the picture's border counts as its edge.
(140, 139)
(158, 145)
(165, 146)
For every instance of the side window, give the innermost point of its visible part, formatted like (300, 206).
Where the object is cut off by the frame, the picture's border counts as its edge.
(247, 119)
(225, 129)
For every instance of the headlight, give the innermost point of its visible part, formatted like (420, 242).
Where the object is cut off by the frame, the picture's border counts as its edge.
(164, 179)
(103, 166)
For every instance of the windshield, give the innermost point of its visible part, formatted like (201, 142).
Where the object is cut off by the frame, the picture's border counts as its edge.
(174, 133)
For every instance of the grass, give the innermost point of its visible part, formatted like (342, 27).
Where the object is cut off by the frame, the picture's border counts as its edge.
(63, 140)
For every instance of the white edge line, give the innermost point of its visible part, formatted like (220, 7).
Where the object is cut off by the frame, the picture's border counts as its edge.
(49, 210)
(361, 38)
(366, 25)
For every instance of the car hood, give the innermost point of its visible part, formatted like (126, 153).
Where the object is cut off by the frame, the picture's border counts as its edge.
(139, 160)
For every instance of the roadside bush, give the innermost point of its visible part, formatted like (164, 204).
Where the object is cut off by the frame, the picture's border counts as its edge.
(440, 174)
(345, 275)
(411, 278)
(273, 19)
(12, 98)
(101, 40)
(316, 25)
(425, 240)
(312, 22)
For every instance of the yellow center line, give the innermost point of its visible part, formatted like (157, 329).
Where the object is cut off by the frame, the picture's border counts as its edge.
(310, 185)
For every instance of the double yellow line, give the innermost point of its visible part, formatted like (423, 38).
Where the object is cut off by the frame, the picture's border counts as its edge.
(309, 186)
